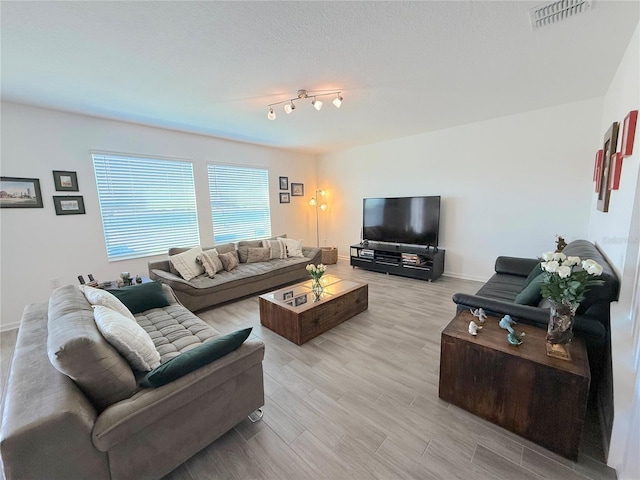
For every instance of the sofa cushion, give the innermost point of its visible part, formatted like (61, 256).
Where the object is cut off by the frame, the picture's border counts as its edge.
(537, 270)
(259, 254)
(502, 286)
(195, 358)
(229, 261)
(174, 329)
(243, 248)
(214, 255)
(186, 263)
(77, 349)
(97, 296)
(531, 294)
(138, 298)
(128, 338)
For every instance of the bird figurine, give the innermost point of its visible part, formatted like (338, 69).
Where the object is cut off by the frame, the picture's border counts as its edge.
(512, 337)
(473, 328)
(479, 312)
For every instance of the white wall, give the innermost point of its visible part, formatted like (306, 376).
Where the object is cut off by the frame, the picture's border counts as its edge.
(508, 185)
(618, 235)
(38, 246)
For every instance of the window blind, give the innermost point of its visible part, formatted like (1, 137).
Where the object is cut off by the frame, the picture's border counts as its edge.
(147, 205)
(239, 203)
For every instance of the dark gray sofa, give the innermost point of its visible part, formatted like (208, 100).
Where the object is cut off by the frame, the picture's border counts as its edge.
(247, 279)
(593, 317)
(52, 430)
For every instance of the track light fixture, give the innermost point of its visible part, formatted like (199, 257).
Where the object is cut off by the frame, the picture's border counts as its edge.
(289, 106)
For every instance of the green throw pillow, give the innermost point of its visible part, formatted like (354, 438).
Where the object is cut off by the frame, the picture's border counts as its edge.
(139, 298)
(537, 270)
(195, 358)
(531, 294)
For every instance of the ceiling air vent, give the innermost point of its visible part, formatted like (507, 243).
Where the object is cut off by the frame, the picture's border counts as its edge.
(554, 12)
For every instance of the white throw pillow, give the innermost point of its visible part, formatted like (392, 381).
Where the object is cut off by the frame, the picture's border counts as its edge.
(128, 338)
(294, 247)
(96, 296)
(186, 263)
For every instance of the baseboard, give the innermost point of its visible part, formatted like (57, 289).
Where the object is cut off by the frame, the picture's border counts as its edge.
(5, 327)
(462, 276)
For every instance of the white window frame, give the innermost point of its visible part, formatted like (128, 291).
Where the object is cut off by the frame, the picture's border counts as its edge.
(147, 204)
(237, 193)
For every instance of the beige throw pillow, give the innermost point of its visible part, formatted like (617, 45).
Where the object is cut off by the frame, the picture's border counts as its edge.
(208, 262)
(258, 254)
(278, 248)
(294, 247)
(97, 296)
(186, 264)
(244, 246)
(229, 260)
(128, 338)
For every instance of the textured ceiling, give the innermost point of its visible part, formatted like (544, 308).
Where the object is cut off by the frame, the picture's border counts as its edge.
(212, 67)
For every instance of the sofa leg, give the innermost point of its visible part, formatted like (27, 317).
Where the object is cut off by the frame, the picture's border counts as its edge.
(256, 415)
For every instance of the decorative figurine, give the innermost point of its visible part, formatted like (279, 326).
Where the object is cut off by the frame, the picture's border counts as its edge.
(126, 279)
(560, 243)
(512, 337)
(138, 279)
(479, 312)
(473, 328)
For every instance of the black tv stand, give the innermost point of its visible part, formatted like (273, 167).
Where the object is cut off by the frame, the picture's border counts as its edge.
(424, 262)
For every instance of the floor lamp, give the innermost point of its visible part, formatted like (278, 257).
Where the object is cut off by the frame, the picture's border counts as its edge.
(315, 202)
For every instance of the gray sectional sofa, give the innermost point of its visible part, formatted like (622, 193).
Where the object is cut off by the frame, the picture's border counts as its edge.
(52, 429)
(247, 279)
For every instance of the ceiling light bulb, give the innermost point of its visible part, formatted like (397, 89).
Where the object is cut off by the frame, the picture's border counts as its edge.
(317, 104)
(323, 207)
(289, 107)
(337, 101)
(271, 115)
(312, 202)
(322, 192)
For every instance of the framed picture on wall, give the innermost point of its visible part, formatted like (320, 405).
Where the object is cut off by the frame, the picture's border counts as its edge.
(16, 192)
(608, 151)
(65, 181)
(71, 205)
(297, 189)
(284, 183)
(285, 198)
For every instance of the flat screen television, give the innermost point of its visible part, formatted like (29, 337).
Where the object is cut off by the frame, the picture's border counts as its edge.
(410, 220)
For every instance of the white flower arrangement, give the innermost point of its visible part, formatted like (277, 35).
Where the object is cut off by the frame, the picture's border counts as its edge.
(316, 271)
(567, 279)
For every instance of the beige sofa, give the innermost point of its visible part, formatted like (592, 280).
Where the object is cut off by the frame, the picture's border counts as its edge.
(247, 279)
(51, 429)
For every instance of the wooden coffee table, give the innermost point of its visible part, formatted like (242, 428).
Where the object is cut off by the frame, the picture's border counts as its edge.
(541, 398)
(298, 315)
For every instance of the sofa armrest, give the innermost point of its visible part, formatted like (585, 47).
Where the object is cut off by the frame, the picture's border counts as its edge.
(515, 265)
(168, 278)
(533, 315)
(159, 265)
(130, 416)
(314, 254)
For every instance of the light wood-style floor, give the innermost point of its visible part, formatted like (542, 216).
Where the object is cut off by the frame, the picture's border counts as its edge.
(361, 401)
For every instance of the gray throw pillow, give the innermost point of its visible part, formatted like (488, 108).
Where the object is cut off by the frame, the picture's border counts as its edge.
(244, 246)
(229, 260)
(258, 254)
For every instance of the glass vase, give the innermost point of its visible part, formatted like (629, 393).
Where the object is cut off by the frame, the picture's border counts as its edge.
(316, 287)
(560, 330)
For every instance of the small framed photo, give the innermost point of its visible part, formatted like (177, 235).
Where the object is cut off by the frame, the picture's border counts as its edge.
(297, 189)
(69, 205)
(284, 183)
(285, 198)
(18, 192)
(301, 300)
(65, 181)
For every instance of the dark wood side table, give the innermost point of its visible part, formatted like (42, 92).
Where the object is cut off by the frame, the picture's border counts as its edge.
(520, 388)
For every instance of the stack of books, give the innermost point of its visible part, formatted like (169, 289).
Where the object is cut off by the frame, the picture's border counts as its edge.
(412, 259)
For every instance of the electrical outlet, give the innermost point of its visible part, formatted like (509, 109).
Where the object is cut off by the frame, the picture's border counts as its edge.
(54, 283)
